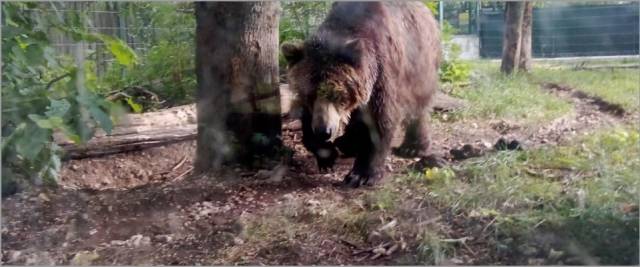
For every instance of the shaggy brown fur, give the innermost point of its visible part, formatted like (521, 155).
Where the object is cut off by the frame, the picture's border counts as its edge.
(377, 62)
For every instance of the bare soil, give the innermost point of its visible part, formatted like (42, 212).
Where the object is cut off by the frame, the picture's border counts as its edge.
(145, 207)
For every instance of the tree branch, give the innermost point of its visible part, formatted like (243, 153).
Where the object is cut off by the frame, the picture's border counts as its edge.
(56, 80)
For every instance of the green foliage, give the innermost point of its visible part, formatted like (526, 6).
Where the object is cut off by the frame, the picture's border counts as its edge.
(165, 75)
(299, 19)
(42, 93)
(120, 50)
(166, 71)
(452, 69)
(432, 5)
(517, 97)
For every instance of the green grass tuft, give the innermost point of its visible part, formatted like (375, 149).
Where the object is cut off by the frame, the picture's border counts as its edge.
(569, 198)
(492, 95)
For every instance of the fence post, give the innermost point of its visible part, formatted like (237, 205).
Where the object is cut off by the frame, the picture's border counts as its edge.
(441, 13)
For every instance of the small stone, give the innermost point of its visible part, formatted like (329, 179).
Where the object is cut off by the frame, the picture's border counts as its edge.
(139, 240)
(164, 238)
(84, 258)
(528, 250)
(14, 256)
(555, 254)
(379, 250)
(39, 258)
(44, 197)
(118, 243)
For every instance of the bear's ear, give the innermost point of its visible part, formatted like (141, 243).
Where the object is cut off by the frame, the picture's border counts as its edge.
(293, 52)
(352, 51)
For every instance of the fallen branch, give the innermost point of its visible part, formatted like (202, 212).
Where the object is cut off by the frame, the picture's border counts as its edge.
(56, 80)
(348, 243)
(182, 175)
(182, 161)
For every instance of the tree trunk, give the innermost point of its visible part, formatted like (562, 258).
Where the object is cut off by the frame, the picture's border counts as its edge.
(512, 34)
(525, 41)
(236, 67)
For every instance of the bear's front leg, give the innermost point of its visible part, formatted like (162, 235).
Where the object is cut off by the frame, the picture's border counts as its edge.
(326, 155)
(364, 172)
(324, 152)
(369, 166)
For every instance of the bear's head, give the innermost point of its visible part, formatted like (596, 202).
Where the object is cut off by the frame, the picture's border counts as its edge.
(332, 79)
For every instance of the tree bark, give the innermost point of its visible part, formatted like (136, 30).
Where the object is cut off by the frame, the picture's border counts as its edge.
(525, 41)
(514, 11)
(236, 65)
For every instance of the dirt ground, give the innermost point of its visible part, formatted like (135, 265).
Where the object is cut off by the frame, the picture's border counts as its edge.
(145, 207)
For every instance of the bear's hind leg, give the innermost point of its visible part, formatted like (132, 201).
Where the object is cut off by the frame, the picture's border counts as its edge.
(417, 139)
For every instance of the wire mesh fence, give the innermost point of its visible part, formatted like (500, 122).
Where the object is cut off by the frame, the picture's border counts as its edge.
(585, 30)
(569, 31)
(135, 23)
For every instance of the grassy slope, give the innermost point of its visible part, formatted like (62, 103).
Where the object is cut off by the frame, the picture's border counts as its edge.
(494, 96)
(620, 86)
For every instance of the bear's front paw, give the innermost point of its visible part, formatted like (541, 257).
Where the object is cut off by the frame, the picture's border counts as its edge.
(326, 158)
(356, 179)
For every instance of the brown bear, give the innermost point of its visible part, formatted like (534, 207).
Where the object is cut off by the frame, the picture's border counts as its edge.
(370, 68)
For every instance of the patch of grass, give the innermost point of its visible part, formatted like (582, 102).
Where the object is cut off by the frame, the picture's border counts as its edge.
(432, 250)
(619, 86)
(576, 203)
(492, 95)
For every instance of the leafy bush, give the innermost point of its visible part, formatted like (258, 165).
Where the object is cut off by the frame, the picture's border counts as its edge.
(298, 20)
(42, 93)
(164, 78)
(452, 69)
(166, 75)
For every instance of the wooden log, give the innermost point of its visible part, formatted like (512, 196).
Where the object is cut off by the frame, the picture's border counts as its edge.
(109, 144)
(140, 131)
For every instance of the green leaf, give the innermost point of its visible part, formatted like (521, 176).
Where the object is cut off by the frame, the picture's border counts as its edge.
(46, 123)
(32, 142)
(52, 170)
(58, 108)
(102, 118)
(120, 50)
(6, 141)
(94, 105)
(34, 54)
(137, 108)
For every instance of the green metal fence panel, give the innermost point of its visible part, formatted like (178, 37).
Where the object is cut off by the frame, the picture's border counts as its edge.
(596, 30)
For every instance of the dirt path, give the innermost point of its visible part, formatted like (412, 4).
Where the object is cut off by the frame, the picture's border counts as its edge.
(143, 207)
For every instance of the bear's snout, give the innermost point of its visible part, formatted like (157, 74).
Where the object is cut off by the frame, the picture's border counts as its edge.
(323, 133)
(326, 120)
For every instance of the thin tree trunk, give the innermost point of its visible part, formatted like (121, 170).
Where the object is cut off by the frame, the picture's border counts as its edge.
(236, 64)
(525, 42)
(512, 36)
